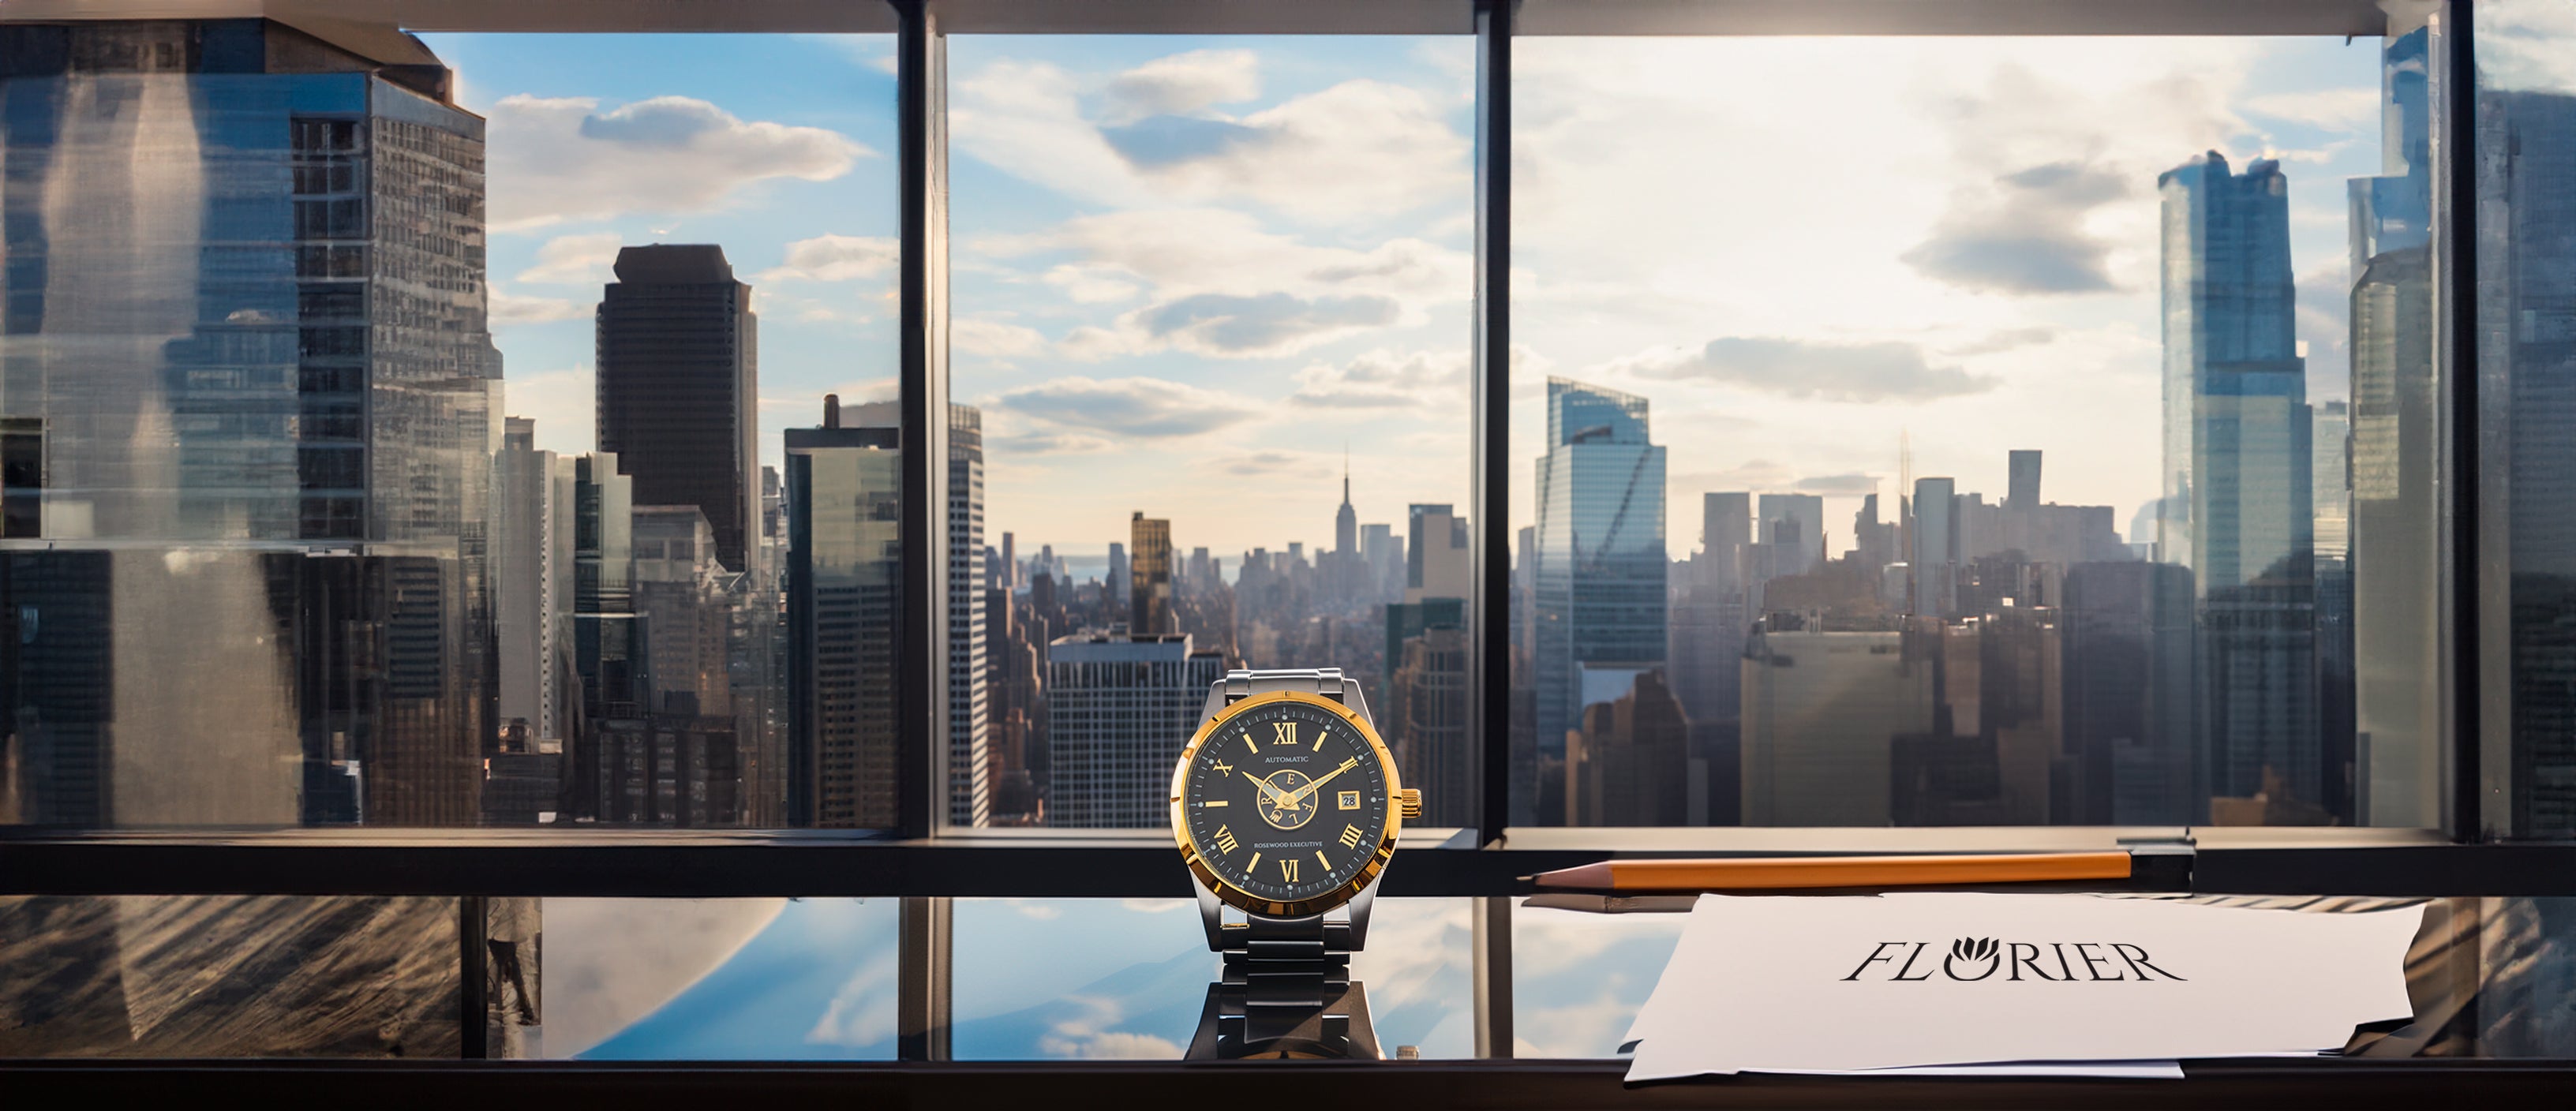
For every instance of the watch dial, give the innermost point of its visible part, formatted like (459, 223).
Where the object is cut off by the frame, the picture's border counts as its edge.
(1286, 800)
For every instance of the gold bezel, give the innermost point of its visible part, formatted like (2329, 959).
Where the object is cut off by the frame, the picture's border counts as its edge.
(1237, 897)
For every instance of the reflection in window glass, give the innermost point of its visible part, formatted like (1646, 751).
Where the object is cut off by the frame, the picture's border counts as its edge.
(1211, 327)
(228, 976)
(719, 979)
(2526, 334)
(2040, 435)
(1099, 978)
(285, 546)
(1579, 979)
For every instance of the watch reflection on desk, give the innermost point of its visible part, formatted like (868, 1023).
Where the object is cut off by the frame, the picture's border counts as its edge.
(1336, 1028)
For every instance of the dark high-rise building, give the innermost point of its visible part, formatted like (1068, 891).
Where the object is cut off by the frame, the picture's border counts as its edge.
(250, 427)
(1626, 766)
(1600, 606)
(843, 491)
(2239, 473)
(679, 396)
(1149, 575)
(2126, 636)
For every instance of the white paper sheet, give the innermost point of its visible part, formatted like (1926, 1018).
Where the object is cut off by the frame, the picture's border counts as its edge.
(1842, 983)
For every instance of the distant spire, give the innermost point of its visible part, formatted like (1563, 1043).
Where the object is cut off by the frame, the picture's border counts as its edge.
(1346, 472)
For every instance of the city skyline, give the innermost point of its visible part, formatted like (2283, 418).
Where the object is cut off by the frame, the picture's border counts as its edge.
(1030, 241)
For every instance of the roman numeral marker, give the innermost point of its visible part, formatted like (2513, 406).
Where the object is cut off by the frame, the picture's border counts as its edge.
(1350, 837)
(1288, 870)
(1283, 732)
(1225, 841)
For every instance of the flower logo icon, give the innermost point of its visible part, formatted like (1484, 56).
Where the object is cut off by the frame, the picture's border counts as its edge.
(1970, 953)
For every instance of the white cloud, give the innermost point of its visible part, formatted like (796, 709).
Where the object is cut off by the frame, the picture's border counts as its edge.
(862, 1012)
(1181, 84)
(576, 259)
(511, 308)
(836, 258)
(1125, 408)
(1093, 283)
(1088, 1036)
(2344, 109)
(975, 335)
(562, 158)
(1359, 151)
(1381, 379)
(1210, 250)
(1864, 372)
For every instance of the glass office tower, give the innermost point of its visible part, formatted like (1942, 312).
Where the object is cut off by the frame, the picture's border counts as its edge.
(843, 493)
(249, 398)
(1599, 584)
(2239, 488)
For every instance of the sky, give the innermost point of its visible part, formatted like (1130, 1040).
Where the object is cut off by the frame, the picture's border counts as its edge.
(1190, 274)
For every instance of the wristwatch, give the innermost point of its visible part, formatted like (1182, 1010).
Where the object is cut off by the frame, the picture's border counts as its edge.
(1286, 806)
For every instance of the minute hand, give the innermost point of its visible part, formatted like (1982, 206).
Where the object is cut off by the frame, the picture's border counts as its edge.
(1299, 795)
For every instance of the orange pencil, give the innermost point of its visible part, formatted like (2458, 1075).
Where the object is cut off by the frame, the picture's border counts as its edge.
(1837, 871)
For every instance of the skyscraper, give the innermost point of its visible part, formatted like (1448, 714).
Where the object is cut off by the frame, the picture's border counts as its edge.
(1118, 712)
(843, 491)
(2022, 480)
(679, 389)
(1600, 551)
(1150, 577)
(610, 658)
(250, 443)
(1436, 557)
(531, 615)
(1426, 665)
(970, 745)
(2238, 470)
(1794, 526)
(1935, 555)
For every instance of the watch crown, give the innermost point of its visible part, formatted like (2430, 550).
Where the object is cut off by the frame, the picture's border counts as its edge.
(1411, 799)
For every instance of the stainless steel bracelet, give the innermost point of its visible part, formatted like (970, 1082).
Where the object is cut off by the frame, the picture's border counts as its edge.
(1326, 681)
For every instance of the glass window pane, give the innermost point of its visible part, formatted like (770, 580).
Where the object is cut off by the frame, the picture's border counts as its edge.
(287, 546)
(1961, 431)
(1210, 330)
(2526, 335)
(228, 976)
(1126, 978)
(717, 979)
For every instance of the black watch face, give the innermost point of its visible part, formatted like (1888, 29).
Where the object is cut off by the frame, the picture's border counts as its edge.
(1286, 801)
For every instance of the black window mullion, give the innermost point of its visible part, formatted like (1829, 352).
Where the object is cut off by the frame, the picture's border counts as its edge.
(1490, 485)
(921, 102)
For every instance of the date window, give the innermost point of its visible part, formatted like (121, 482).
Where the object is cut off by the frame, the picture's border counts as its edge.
(1350, 800)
